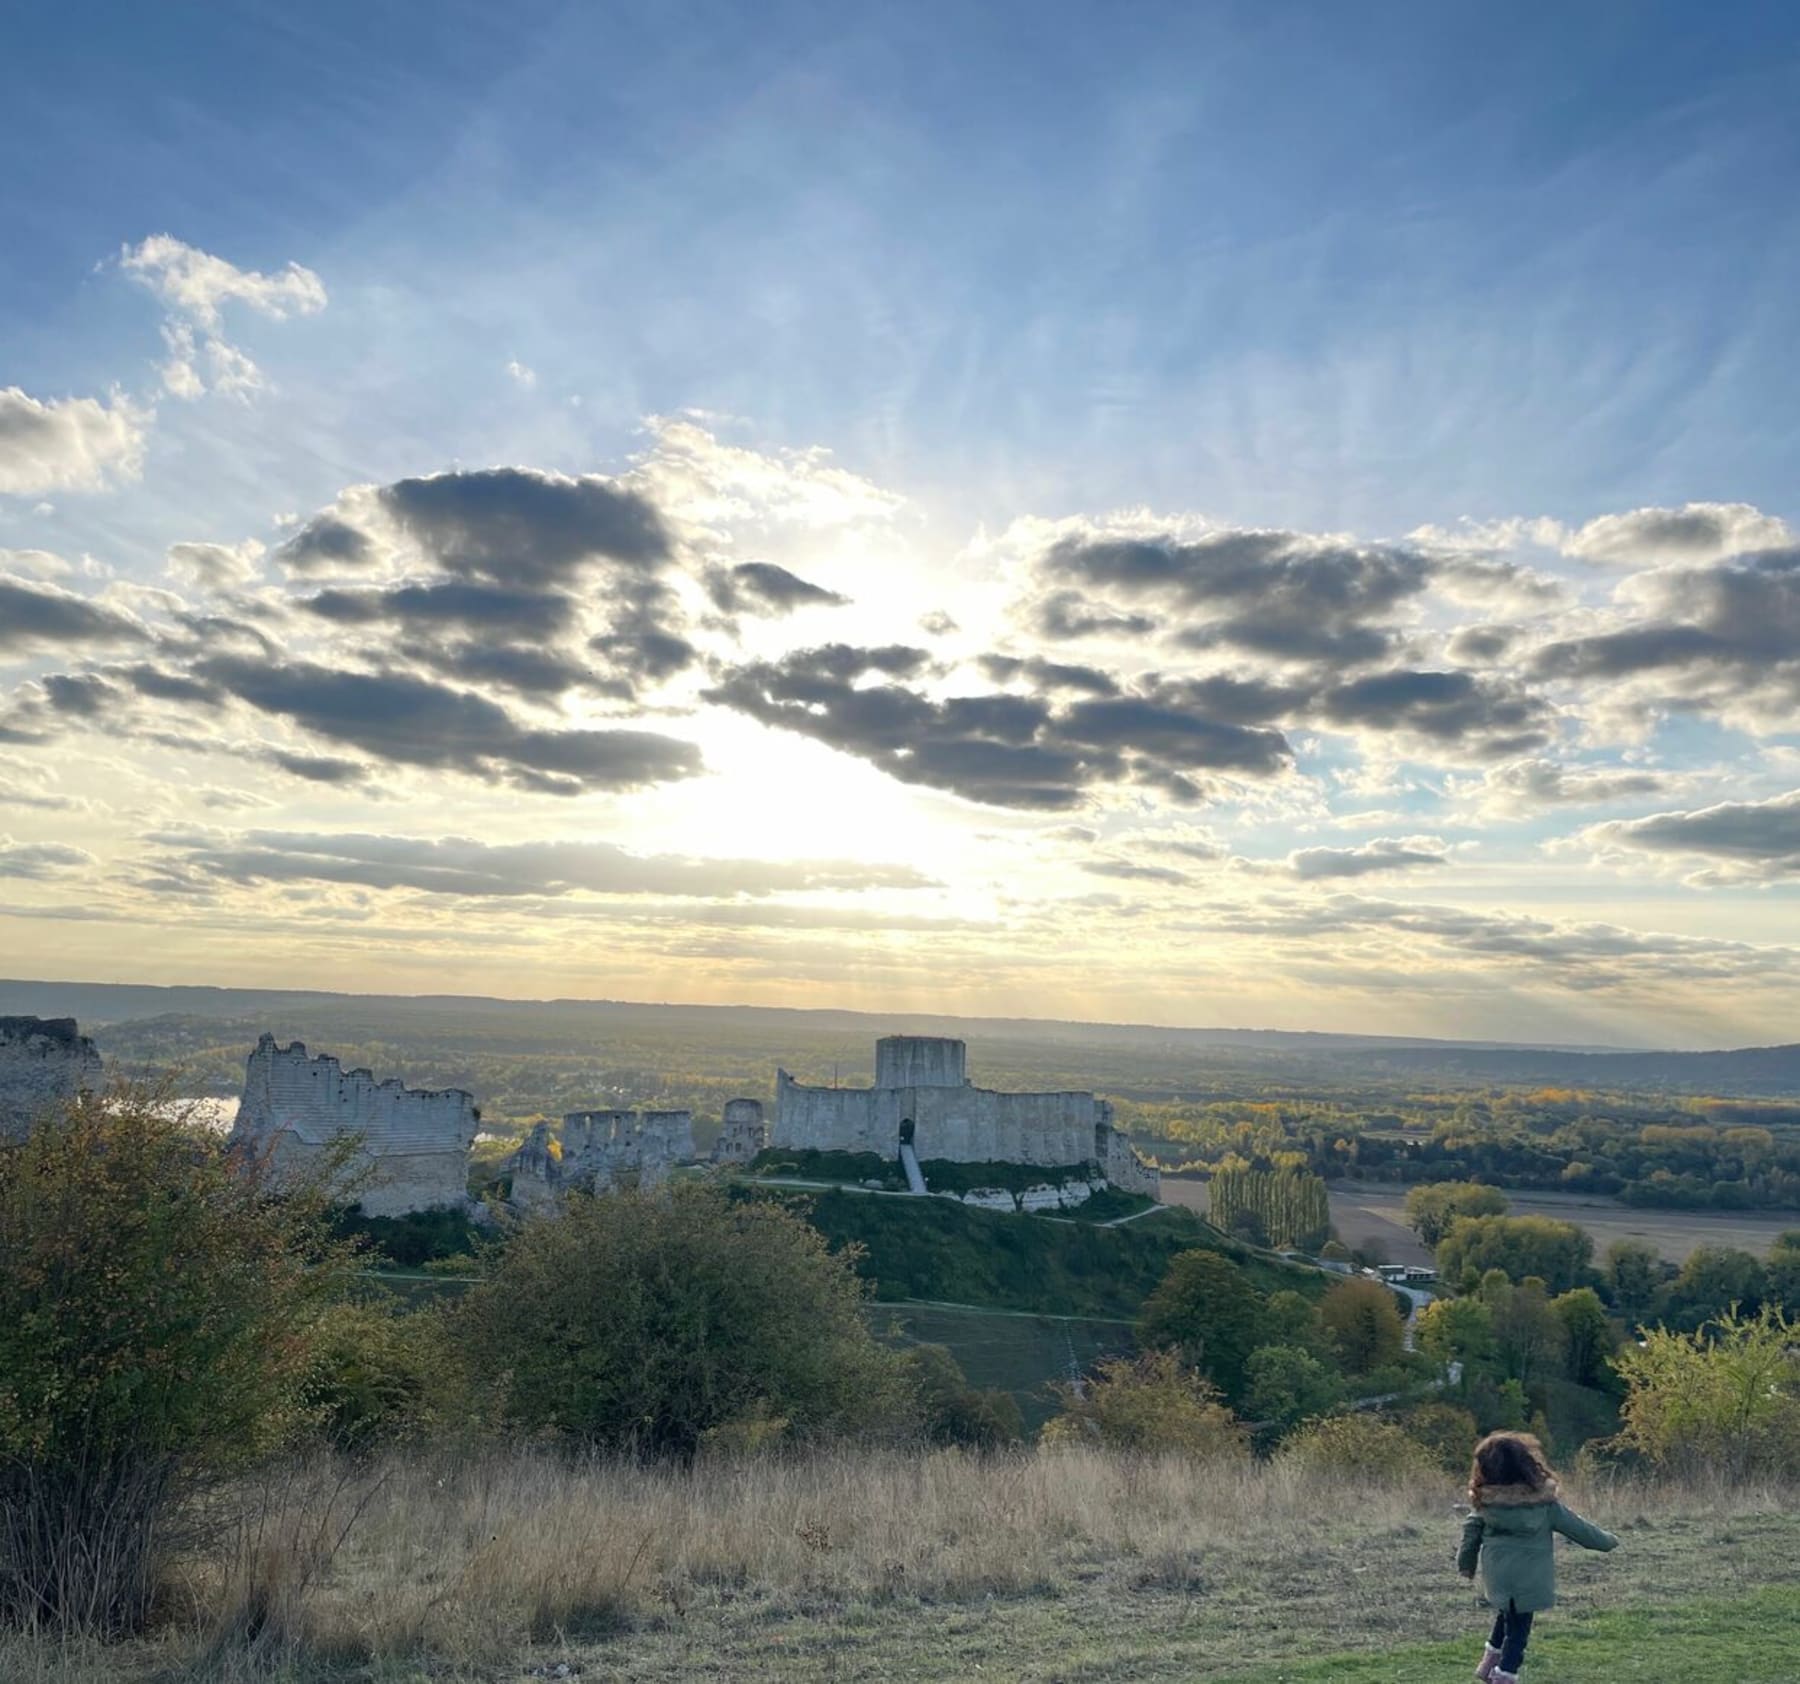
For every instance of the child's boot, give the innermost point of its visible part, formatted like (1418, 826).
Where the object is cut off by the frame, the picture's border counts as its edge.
(1490, 1658)
(1499, 1677)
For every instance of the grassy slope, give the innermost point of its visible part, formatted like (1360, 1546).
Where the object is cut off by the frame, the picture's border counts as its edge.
(936, 1250)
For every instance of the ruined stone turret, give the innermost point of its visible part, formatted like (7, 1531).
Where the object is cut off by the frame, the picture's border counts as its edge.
(44, 1061)
(742, 1132)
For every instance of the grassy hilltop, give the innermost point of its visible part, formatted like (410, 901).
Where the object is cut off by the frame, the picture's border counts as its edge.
(918, 1568)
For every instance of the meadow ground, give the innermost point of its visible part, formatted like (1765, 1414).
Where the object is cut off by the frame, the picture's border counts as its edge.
(1377, 1210)
(907, 1567)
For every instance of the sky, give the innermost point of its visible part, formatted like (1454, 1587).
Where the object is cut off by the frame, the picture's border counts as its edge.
(1276, 515)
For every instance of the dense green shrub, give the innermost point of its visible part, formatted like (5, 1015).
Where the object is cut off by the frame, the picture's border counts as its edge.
(951, 1411)
(1723, 1399)
(160, 1321)
(1361, 1447)
(1433, 1205)
(413, 1240)
(643, 1321)
(1558, 1253)
(1149, 1403)
(1206, 1309)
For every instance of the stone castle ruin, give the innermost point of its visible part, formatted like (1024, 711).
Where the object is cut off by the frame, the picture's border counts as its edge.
(599, 1151)
(44, 1061)
(414, 1142)
(742, 1133)
(923, 1098)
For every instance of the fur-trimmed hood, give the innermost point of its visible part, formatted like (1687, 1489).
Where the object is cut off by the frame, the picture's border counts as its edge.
(1516, 1496)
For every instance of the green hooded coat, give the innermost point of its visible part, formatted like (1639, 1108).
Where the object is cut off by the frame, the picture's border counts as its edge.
(1512, 1534)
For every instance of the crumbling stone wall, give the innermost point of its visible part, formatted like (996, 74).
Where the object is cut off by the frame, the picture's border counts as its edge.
(414, 1150)
(598, 1151)
(1119, 1159)
(743, 1132)
(43, 1062)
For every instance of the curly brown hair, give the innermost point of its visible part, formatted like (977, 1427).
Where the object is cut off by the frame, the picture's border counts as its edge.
(1508, 1459)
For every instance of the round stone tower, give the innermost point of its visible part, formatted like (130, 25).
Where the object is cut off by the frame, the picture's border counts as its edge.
(920, 1061)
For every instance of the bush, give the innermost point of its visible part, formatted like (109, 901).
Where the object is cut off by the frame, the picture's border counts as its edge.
(413, 1240)
(1285, 1384)
(1361, 1447)
(1148, 1403)
(1724, 1399)
(644, 1321)
(384, 1376)
(160, 1319)
(1447, 1432)
(951, 1411)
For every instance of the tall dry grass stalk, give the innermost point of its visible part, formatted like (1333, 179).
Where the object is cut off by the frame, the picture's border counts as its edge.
(472, 1558)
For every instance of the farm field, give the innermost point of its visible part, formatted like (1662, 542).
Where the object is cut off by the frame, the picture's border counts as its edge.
(1377, 1210)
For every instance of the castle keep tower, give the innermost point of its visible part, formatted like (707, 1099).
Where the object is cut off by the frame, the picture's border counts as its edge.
(921, 1061)
(923, 1096)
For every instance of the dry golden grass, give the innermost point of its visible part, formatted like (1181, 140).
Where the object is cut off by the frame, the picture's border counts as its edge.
(471, 1566)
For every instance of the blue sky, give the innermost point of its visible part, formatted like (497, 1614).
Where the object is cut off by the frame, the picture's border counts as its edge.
(1351, 273)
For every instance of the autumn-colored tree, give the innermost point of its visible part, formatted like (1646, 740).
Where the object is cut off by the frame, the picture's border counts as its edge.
(1363, 1323)
(1151, 1403)
(161, 1318)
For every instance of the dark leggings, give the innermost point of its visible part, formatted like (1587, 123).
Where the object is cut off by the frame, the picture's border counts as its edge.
(1512, 1631)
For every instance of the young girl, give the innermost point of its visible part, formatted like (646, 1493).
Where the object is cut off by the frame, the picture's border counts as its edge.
(1511, 1532)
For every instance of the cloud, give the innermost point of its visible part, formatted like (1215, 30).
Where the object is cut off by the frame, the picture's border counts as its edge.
(328, 543)
(193, 286)
(517, 526)
(1380, 855)
(1741, 841)
(1287, 595)
(215, 567)
(707, 482)
(1576, 956)
(40, 618)
(760, 587)
(1696, 532)
(1000, 749)
(1041, 674)
(410, 721)
(68, 444)
(521, 375)
(454, 865)
(463, 603)
(1132, 871)
(1527, 786)
(1478, 718)
(39, 861)
(1723, 639)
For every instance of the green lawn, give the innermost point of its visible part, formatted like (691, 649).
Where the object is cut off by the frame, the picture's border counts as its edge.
(1726, 1640)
